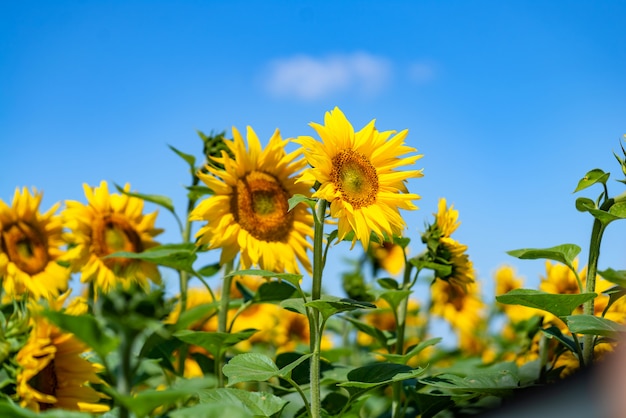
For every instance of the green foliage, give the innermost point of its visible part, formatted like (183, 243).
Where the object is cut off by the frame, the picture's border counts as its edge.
(557, 304)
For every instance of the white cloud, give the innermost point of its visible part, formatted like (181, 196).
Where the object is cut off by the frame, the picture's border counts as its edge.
(308, 78)
(422, 72)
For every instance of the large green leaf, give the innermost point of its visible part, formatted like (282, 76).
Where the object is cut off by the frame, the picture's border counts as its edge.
(290, 277)
(214, 342)
(10, 410)
(381, 336)
(431, 404)
(595, 325)
(556, 304)
(492, 383)
(87, 329)
(565, 253)
(614, 276)
(176, 256)
(377, 374)
(256, 403)
(250, 367)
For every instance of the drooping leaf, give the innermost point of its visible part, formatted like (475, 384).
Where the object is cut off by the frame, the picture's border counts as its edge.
(595, 325)
(256, 403)
(388, 283)
(395, 297)
(592, 177)
(292, 278)
(274, 292)
(189, 159)
(557, 304)
(87, 329)
(250, 367)
(209, 270)
(555, 332)
(381, 336)
(430, 404)
(584, 204)
(497, 383)
(378, 374)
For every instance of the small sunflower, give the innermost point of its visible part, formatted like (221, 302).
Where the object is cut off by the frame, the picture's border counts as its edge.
(357, 175)
(110, 223)
(30, 248)
(249, 212)
(461, 307)
(446, 251)
(388, 256)
(54, 374)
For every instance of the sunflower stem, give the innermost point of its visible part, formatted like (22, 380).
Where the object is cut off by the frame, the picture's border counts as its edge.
(400, 329)
(590, 286)
(314, 315)
(222, 321)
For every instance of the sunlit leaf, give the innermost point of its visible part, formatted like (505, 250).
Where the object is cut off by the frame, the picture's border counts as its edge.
(250, 367)
(614, 276)
(565, 253)
(258, 404)
(595, 325)
(592, 177)
(584, 204)
(557, 304)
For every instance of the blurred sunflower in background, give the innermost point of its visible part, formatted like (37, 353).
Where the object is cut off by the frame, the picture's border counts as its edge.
(357, 176)
(53, 371)
(446, 252)
(110, 223)
(31, 248)
(249, 211)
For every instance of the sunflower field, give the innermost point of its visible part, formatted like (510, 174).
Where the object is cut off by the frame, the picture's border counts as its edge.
(89, 328)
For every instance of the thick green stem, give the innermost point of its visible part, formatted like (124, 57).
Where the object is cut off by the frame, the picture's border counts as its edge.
(314, 315)
(222, 321)
(592, 269)
(400, 329)
(125, 376)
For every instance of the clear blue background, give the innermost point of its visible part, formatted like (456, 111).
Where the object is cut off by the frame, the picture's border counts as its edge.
(511, 103)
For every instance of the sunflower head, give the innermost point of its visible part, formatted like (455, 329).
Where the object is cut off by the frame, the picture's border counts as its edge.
(249, 212)
(31, 247)
(53, 372)
(448, 256)
(358, 176)
(107, 224)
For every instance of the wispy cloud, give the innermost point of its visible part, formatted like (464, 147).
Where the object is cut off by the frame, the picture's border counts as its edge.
(422, 72)
(308, 78)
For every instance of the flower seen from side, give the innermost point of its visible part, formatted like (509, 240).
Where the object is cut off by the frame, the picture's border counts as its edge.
(357, 174)
(445, 251)
(107, 224)
(31, 245)
(249, 211)
(53, 372)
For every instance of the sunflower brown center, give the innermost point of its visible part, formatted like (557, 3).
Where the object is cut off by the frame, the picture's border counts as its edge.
(260, 206)
(113, 233)
(45, 382)
(355, 177)
(25, 246)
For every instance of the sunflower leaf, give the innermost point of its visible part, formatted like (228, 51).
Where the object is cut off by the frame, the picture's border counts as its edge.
(595, 325)
(250, 367)
(257, 404)
(214, 342)
(565, 253)
(86, 328)
(296, 199)
(557, 304)
(177, 256)
(190, 159)
(592, 177)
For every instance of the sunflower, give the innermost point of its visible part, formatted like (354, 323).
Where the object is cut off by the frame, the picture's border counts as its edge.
(461, 307)
(443, 250)
(30, 248)
(505, 281)
(388, 256)
(249, 212)
(357, 175)
(110, 223)
(54, 373)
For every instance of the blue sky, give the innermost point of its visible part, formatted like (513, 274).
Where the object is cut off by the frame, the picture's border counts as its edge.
(511, 103)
